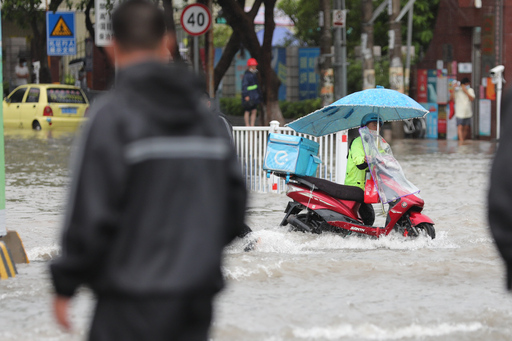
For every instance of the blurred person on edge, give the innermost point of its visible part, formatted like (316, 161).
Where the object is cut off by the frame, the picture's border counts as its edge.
(462, 96)
(499, 199)
(251, 96)
(156, 194)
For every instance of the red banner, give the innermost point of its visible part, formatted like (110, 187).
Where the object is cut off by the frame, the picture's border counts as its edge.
(422, 94)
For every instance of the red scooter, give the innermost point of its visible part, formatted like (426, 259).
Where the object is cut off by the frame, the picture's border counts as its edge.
(320, 205)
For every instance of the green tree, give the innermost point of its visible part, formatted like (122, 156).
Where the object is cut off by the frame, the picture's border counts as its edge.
(244, 34)
(307, 31)
(28, 14)
(221, 34)
(304, 14)
(424, 20)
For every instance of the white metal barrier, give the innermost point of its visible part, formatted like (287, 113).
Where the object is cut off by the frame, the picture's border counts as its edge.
(251, 144)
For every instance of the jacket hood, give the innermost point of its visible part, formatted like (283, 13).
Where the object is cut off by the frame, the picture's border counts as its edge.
(170, 93)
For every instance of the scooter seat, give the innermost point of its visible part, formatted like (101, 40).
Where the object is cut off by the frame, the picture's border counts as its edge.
(338, 191)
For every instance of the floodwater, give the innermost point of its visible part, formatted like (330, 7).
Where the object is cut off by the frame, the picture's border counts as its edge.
(297, 286)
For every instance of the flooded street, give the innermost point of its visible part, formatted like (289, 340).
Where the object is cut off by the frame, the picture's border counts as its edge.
(297, 286)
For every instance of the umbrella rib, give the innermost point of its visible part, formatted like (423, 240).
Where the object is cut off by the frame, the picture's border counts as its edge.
(325, 128)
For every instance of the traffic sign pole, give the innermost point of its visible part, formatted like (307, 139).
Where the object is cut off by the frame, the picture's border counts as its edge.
(196, 20)
(210, 58)
(196, 54)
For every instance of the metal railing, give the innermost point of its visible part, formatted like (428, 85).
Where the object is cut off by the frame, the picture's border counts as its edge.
(251, 144)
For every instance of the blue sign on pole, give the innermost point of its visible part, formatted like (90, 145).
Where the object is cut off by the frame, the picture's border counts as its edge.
(60, 33)
(431, 119)
(309, 79)
(279, 65)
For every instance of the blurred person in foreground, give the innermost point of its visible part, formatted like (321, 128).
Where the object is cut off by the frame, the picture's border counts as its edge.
(228, 133)
(156, 194)
(500, 191)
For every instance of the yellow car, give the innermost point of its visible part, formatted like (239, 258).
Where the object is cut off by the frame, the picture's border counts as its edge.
(45, 106)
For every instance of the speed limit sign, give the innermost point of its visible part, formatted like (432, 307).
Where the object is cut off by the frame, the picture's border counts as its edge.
(196, 19)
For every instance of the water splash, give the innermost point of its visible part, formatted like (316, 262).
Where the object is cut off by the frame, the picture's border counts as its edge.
(372, 332)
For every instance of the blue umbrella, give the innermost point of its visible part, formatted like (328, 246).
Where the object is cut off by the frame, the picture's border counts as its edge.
(347, 112)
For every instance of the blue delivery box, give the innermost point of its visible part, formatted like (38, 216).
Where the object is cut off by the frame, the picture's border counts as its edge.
(288, 154)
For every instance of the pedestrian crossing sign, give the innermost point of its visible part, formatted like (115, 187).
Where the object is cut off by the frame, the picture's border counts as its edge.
(61, 29)
(60, 33)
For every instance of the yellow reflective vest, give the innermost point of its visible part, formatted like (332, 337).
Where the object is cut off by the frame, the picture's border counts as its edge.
(356, 165)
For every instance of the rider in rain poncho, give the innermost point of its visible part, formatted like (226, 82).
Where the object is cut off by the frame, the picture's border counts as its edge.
(357, 165)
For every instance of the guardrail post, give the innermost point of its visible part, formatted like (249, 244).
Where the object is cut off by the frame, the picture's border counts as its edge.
(274, 180)
(274, 125)
(341, 155)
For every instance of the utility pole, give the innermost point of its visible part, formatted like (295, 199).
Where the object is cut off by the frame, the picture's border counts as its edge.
(210, 56)
(340, 54)
(409, 44)
(367, 45)
(340, 87)
(396, 76)
(326, 72)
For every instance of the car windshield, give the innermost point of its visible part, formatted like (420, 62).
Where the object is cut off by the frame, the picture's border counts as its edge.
(56, 95)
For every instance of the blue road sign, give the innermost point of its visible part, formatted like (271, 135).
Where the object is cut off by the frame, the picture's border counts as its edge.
(60, 33)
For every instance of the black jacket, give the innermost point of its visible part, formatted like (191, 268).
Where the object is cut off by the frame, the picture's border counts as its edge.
(156, 191)
(251, 88)
(500, 191)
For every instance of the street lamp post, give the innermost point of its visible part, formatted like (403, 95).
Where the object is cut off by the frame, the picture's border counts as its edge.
(340, 57)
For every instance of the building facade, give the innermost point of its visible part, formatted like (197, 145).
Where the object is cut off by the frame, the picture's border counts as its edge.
(471, 37)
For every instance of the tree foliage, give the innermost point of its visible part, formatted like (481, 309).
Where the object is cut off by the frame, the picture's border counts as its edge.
(244, 35)
(221, 34)
(28, 14)
(424, 20)
(304, 14)
(307, 31)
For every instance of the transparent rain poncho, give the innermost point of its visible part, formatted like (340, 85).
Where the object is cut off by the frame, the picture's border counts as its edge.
(385, 170)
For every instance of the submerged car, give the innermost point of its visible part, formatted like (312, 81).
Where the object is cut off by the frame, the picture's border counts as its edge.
(45, 106)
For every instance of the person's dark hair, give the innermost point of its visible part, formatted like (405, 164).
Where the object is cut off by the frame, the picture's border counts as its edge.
(465, 80)
(138, 25)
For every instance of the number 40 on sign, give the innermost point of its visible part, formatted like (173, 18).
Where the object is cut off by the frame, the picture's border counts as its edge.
(196, 19)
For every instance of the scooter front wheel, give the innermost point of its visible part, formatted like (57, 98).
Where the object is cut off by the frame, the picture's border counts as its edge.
(423, 229)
